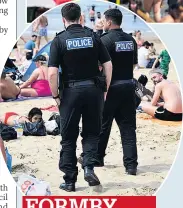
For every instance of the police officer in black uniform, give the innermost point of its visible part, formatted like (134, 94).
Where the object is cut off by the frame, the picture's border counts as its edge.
(77, 51)
(120, 101)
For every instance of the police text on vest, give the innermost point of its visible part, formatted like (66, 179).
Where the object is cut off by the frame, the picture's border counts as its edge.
(78, 43)
(124, 46)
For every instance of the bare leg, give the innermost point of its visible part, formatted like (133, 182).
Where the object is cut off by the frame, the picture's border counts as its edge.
(149, 109)
(157, 11)
(46, 38)
(38, 41)
(148, 4)
(28, 92)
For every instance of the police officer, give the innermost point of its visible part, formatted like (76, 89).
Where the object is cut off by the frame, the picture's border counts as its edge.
(77, 51)
(120, 101)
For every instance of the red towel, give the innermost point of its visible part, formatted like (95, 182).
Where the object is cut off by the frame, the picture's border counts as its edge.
(61, 1)
(51, 108)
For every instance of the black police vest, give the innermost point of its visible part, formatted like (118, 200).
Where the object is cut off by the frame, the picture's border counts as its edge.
(122, 55)
(80, 57)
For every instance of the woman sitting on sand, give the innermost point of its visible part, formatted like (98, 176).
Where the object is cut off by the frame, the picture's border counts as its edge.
(38, 81)
(12, 118)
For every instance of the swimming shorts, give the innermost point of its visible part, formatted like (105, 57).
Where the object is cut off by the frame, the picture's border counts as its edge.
(43, 32)
(92, 19)
(165, 115)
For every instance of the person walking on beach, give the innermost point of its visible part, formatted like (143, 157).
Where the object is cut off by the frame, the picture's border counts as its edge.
(120, 102)
(78, 51)
(40, 27)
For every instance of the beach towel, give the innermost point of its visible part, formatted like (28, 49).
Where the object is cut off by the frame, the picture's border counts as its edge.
(51, 108)
(21, 98)
(145, 116)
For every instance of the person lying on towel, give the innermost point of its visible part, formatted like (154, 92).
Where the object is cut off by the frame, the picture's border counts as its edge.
(12, 118)
(171, 108)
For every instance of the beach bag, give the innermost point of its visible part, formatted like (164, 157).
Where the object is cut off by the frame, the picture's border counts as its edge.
(34, 129)
(7, 133)
(52, 128)
(31, 186)
(56, 117)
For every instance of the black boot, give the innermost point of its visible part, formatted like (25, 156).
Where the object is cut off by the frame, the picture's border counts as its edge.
(69, 187)
(131, 171)
(90, 176)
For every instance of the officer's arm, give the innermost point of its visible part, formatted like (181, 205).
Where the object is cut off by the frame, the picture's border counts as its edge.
(105, 60)
(54, 66)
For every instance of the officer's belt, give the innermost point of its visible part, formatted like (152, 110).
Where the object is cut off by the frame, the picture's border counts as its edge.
(118, 82)
(78, 83)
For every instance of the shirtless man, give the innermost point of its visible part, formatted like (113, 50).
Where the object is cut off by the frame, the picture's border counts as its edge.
(8, 89)
(92, 15)
(99, 24)
(171, 108)
(175, 14)
(40, 27)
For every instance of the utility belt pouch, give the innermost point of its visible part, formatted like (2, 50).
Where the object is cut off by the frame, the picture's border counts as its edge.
(101, 83)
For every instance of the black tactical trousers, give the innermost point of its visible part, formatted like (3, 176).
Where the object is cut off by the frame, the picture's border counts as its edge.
(85, 101)
(120, 105)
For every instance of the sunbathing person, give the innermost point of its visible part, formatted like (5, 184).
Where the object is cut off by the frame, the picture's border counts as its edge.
(8, 89)
(12, 118)
(37, 85)
(171, 108)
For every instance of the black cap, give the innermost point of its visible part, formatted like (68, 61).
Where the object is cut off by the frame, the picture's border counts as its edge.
(40, 58)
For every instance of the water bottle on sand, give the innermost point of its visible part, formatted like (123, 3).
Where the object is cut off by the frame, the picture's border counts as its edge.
(18, 128)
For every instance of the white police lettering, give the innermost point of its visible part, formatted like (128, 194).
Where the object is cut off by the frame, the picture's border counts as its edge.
(77, 43)
(124, 46)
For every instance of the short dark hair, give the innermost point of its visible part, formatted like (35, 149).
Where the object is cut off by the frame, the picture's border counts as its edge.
(33, 112)
(115, 15)
(34, 36)
(152, 44)
(29, 55)
(71, 12)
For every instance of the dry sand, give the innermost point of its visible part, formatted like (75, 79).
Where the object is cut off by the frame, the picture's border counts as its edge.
(157, 146)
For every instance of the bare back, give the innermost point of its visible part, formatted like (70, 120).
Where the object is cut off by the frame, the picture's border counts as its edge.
(8, 88)
(42, 73)
(172, 96)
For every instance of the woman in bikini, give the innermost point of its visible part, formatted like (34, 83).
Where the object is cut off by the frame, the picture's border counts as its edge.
(12, 118)
(38, 81)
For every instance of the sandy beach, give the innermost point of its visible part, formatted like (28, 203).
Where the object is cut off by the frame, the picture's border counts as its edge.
(157, 146)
